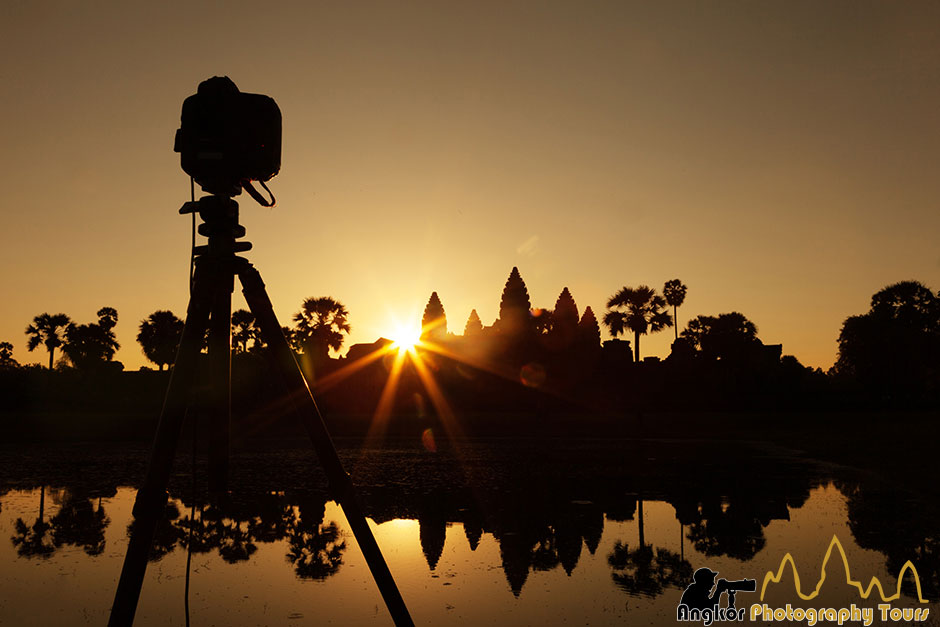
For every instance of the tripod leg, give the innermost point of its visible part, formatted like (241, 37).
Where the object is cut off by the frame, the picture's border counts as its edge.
(152, 496)
(309, 414)
(220, 385)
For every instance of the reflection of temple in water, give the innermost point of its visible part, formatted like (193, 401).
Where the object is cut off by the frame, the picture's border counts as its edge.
(540, 520)
(532, 533)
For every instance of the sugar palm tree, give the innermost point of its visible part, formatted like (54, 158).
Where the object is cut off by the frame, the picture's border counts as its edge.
(46, 329)
(320, 325)
(674, 291)
(642, 312)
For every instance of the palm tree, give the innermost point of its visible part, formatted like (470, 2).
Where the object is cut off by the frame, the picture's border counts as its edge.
(674, 291)
(244, 331)
(45, 330)
(159, 336)
(644, 314)
(321, 323)
(107, 318)
(91, 345)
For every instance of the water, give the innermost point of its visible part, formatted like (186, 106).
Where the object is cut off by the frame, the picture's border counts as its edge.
(483, 533)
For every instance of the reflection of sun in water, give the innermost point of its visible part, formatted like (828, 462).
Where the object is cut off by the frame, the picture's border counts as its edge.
(406, 338)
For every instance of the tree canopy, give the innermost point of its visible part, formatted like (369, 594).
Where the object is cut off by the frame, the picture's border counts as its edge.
(90, 346)
(320, 325)
(159, 337)
(674, 291)
(46, 329)
(6, 356)
(910, 304)
(638, 309)
(894, 348)
(246, 336)
(727, 336)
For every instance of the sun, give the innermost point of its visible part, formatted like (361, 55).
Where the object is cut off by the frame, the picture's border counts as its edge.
(406, 338)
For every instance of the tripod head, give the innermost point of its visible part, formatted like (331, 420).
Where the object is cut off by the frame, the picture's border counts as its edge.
(219, 214)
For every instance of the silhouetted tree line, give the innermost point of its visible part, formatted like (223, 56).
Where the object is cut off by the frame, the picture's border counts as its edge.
(552, 361)
(530, 360)
(891, 354)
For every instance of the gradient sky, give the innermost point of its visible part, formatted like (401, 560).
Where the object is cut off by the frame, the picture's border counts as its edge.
(778, 157)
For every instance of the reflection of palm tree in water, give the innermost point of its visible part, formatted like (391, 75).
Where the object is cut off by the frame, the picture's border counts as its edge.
(80, 524)
(166, 535)
(894, 523)
(545, 554)
(646, 570)
(728, 528)
(197, 535)
(232, 534)
(215, 529)
(315, 550)
(32, 541)
(235, 542)
(271, 523)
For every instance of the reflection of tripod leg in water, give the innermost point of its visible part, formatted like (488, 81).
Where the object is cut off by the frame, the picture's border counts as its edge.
(216, 267)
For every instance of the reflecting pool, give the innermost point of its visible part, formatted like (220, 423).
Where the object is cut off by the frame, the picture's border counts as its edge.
(488, 532)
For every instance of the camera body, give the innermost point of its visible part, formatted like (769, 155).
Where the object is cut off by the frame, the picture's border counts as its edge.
(227, 137)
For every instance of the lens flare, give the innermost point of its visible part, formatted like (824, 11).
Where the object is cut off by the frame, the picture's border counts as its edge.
(406, 338)
(427, 439)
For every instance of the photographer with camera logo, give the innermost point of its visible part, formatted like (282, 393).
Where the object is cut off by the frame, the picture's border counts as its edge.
(700, 601)
(699, 595)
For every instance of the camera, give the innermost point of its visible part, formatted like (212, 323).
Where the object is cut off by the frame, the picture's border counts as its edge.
(741, 585)
(228, 138)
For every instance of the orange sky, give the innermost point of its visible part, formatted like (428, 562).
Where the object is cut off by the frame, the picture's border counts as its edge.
(778, 157)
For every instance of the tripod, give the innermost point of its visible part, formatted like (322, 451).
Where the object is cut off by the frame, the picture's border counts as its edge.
(210, 308)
